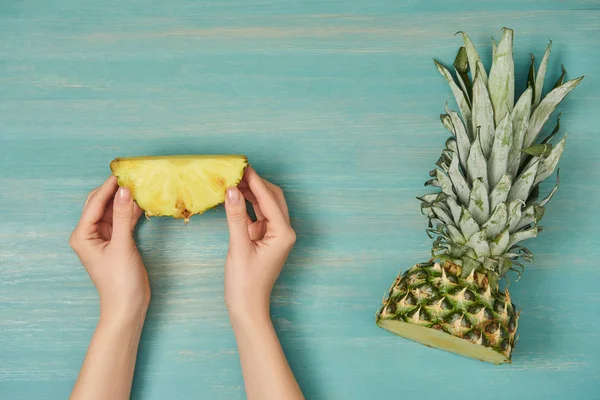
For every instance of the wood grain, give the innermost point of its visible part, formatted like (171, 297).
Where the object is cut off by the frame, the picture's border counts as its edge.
(336, 101)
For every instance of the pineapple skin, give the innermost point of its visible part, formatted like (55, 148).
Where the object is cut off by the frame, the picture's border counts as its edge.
(436, 296)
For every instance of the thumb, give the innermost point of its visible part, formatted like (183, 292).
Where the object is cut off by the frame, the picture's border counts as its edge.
(237, 218)
(123, 215)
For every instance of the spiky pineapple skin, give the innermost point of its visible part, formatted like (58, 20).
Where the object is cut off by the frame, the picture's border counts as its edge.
(437, 296)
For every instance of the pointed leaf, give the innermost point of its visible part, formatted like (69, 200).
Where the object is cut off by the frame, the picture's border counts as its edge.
(429, 198)
(445, 182)
(494, 48)
(447, 122)
(433, 182)
(541, 75)
(463, 86)
(461, 66)
(461, 100)
(499, 245)
(545, 108)
(554, 131)
(520, 115)
(531, 77)
(546, 199)
(442, 215)
(451, 145)
(458, 180)
(455, 235)
(467, 224)
(472, 56)
(463, 143)
(479, 244)
(547, 165)
(522, 235)
(455, 209)
(497, 222)
(522, 185)
(561, 79)
(479, 204)
(528, 216)
(483, 114)
(514, 214)
(501, 82)
(476, 164)
(503, 141)
(539, 150)
(500, 192)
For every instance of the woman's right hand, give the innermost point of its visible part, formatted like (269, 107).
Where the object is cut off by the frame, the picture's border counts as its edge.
(257, 249)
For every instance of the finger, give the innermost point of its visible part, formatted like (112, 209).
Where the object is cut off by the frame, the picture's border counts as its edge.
(265, 198)
(123, 216)
(90, 195)
(235, 207)
(137, 213)
(257, 230)
(279, 196)
(255, 206)
(96, 205)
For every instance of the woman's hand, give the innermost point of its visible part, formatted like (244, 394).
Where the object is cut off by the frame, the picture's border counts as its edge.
(103, 241)
(257, 252)
(257, 249)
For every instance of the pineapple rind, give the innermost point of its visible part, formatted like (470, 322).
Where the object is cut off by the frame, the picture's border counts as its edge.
(437, 296)
(179, 186)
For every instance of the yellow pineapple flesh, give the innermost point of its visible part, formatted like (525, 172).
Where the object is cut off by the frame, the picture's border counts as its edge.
(179, 186)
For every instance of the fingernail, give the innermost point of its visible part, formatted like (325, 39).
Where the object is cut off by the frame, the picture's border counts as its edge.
(233, 195)
(123, 196)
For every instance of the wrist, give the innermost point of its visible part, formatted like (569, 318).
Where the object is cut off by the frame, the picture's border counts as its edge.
(123, 315)
(246, 319)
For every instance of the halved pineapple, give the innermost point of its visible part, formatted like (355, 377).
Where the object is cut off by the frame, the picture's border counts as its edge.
(179, 186)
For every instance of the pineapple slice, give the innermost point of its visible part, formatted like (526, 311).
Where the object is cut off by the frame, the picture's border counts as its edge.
(179, 186)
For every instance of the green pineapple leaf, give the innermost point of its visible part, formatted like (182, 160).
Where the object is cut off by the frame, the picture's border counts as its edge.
(554, 131)
(463, 142)
(461, 100)
(554, 189)
(523, 235)
(521, 114)
(501, 82)
(473, 57)
(503, 141)
(523, 184)
(497, 222)
(461, 66)
(467, 224)
(548, 164)
(458, 180)
(500, 192)
(561, 79)
(482, 113)
(479, 204)
(499, 245)
(531, 77)
(515, 208)
(539, 150)
(541, 74)
(476, 164)
(546, 107)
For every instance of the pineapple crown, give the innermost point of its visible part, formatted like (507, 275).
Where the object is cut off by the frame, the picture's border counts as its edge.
(490, 171)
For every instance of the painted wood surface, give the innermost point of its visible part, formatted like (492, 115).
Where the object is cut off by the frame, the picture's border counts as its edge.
(336, 101)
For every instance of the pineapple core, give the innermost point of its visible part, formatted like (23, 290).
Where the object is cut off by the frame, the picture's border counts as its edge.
(178, 186)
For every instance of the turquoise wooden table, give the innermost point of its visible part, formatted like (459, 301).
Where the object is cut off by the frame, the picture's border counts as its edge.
(336, 101)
